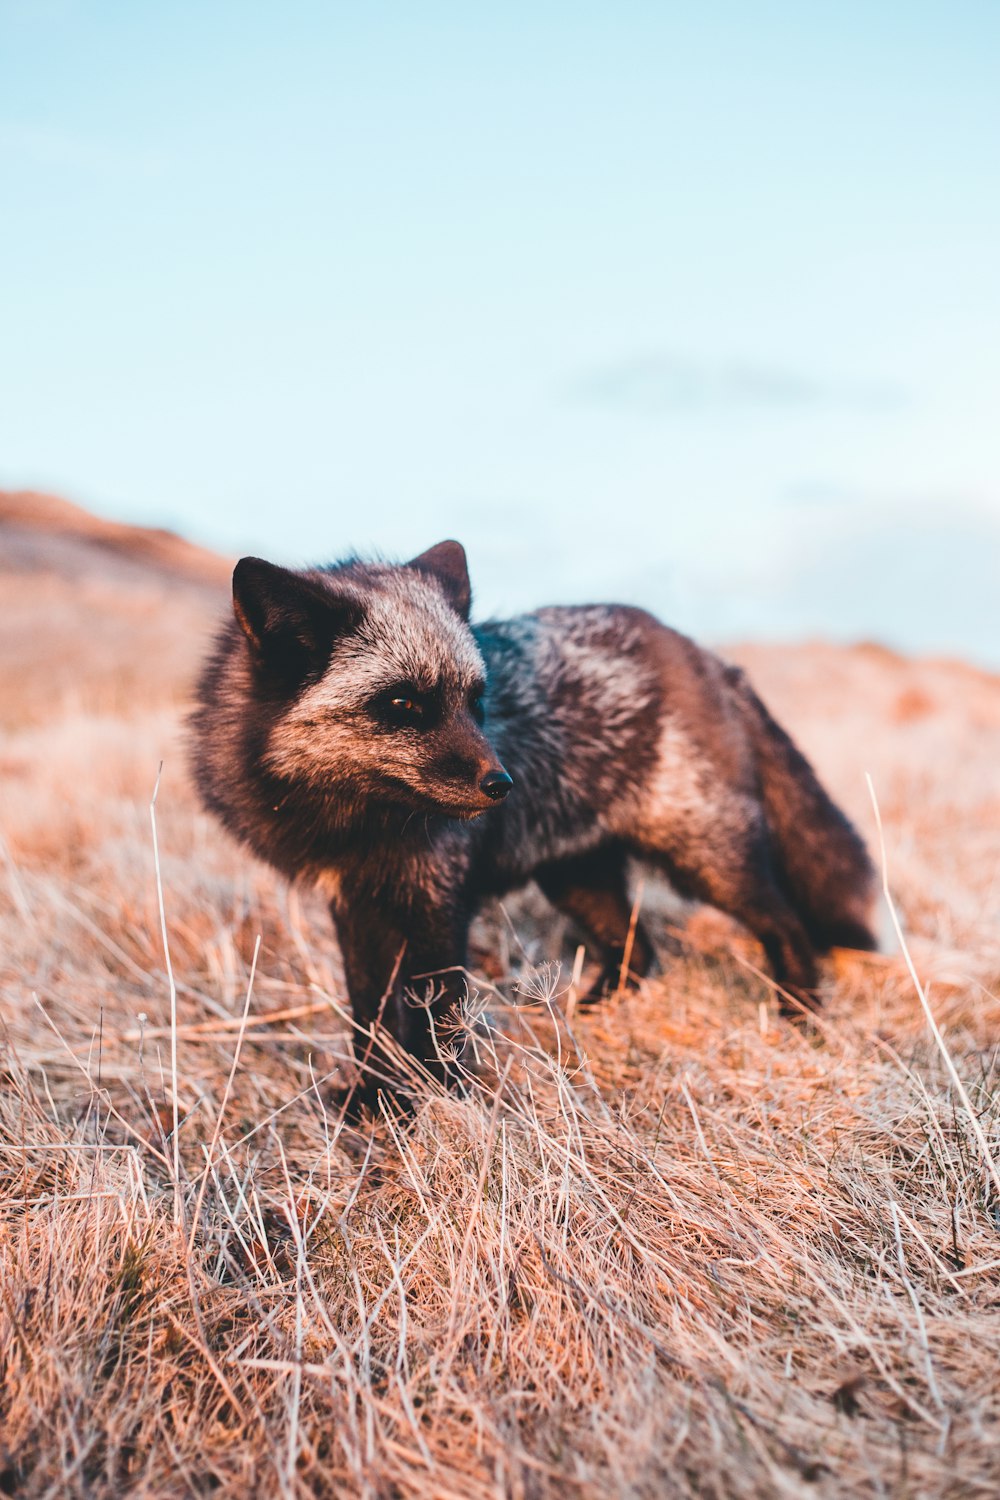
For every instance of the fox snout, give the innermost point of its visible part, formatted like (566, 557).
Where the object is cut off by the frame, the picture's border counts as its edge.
(496, 784)
(469, 761)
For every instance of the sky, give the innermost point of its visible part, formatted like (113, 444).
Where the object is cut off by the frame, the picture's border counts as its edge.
(693, 306)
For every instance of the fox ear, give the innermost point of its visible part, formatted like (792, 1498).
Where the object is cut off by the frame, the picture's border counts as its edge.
(446, 563)
(290, 621)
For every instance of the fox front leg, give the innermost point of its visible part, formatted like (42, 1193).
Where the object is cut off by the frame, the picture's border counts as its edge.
(403, 963)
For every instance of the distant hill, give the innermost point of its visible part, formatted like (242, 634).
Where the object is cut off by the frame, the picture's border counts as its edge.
(96, 615)
(45, 530)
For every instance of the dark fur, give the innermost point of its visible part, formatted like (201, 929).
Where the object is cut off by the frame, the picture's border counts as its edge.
(623, 739)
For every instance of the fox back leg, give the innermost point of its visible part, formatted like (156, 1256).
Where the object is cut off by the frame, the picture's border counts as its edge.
(593, 890)
(720, 853)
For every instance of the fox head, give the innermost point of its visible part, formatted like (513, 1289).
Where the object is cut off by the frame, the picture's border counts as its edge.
(374, 680)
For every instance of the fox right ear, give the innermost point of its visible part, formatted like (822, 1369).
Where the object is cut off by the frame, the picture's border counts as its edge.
(291, 622)
(446, 564)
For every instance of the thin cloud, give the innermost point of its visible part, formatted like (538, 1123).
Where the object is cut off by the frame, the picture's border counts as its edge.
(658, 383)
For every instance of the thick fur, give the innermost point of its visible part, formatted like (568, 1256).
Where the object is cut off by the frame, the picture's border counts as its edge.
(623, 738)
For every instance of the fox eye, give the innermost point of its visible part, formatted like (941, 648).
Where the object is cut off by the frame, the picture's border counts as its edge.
(403, 706)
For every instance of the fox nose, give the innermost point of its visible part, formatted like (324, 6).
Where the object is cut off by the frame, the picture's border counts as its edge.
(496, 785)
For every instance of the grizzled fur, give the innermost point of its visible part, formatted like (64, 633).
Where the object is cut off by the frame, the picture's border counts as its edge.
(353, 729)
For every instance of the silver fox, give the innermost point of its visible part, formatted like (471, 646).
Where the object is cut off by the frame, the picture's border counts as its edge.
(354, 729)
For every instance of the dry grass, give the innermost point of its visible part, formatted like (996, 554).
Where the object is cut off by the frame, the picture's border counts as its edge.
(673, 1246)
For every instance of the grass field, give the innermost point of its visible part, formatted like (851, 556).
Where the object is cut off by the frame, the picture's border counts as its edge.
(676, 1245)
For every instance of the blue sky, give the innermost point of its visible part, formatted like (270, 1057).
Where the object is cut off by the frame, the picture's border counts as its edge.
(693, 305)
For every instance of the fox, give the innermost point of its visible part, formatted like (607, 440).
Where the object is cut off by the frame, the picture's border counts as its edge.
(355, 730)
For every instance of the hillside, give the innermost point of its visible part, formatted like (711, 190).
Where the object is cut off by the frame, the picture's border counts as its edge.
(45, 531)
(687, 1248)
(97, 615)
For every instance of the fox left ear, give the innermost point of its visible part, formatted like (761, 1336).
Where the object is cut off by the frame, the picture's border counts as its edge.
(289, 619)
(446, 563)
